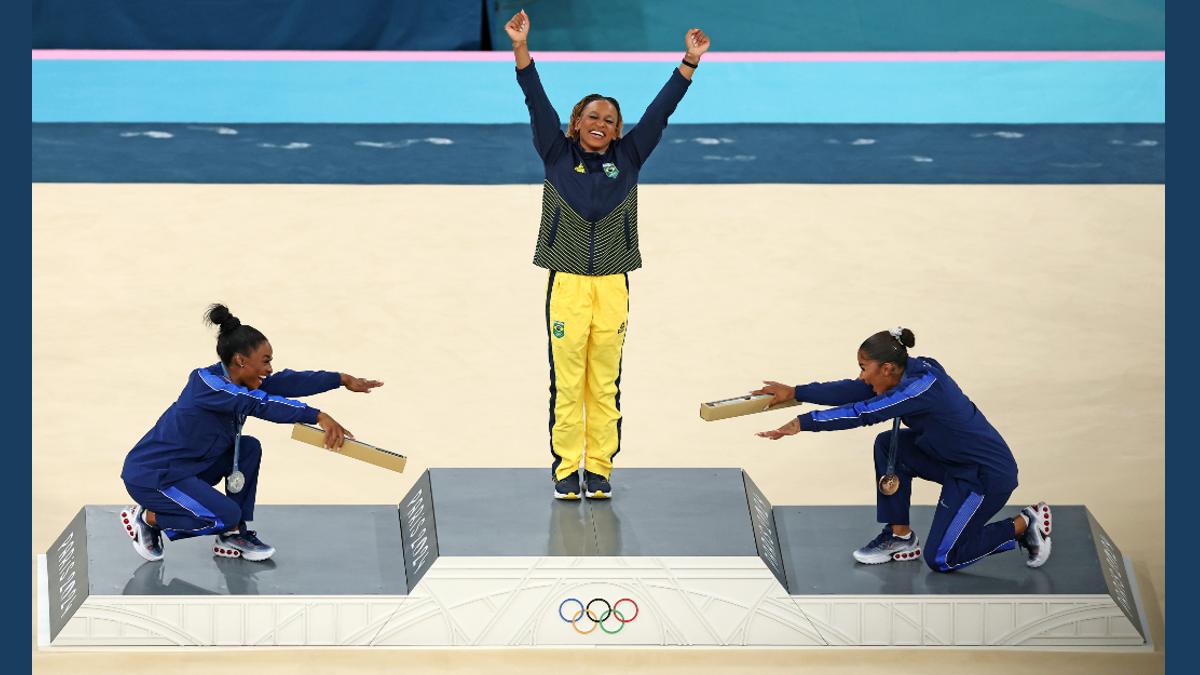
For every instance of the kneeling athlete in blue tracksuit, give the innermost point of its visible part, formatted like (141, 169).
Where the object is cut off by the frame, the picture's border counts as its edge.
(171, 472)
(948, 441)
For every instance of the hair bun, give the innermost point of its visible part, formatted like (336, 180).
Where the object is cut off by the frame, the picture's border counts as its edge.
(219, 315)
(904, 336)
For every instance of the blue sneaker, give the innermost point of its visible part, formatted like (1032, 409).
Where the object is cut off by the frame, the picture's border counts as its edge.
(888, 547)
(147, 540)
(596, 486)
(568, 488)
(244, 544)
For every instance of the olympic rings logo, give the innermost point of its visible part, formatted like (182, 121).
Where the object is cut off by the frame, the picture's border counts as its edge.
(600, 619)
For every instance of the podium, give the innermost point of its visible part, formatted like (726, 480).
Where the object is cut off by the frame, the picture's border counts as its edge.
(486, 557)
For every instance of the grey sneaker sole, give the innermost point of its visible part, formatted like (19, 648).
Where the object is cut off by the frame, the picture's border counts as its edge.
(879, 558)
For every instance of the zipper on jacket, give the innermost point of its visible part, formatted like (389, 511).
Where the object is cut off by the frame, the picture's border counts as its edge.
(592, 250)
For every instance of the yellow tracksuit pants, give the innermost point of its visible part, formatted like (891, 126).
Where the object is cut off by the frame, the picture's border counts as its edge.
(586, 319)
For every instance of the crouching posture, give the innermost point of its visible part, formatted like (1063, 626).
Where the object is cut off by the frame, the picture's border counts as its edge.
(172, 471)
(948, 441)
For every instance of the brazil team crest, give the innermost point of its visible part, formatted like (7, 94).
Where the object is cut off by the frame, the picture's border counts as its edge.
(610, 169)
(560, 329)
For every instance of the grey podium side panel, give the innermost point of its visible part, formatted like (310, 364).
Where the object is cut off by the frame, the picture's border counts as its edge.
(67, 573)
(1113, 566)
(418, 530)
(766, 536)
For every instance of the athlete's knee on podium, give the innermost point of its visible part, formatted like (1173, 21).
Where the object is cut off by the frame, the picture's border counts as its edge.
(929, 555)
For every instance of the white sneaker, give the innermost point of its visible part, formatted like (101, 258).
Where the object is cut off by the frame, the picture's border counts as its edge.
(244, 544)
(1036, 540)
(147, 540)
(888, 547)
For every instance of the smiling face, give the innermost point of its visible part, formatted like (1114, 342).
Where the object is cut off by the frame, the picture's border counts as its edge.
(881, 376)
(598, 123)
(249, 370)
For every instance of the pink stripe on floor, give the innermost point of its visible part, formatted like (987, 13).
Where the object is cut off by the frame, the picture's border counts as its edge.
(726, 57)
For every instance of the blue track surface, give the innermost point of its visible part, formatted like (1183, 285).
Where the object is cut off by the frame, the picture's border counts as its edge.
(500, 154)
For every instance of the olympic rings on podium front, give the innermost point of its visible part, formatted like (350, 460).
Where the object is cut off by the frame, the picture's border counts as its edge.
(611, 611)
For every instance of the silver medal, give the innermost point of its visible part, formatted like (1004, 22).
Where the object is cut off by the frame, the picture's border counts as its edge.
(235, 481)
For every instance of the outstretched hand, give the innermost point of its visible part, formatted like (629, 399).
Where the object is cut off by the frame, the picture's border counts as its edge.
(518, 27)
(790, 429)
(780, 393)
(696, 42)
(359, 384)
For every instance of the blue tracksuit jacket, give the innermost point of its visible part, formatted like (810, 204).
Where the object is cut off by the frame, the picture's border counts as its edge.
(199, 426)
(950, 427)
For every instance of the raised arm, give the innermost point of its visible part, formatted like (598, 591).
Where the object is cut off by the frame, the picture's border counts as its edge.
(695, 43)
(645, 136)
(548, 138)
(518, 31)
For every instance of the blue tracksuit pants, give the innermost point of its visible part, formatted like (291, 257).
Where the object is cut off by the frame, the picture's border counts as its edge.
(960, 533)
(193, 507)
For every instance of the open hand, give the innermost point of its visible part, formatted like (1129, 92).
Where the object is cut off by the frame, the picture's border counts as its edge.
(780, 393)
(696, 42)
(518, 27)
(359, 384)
(790, 429)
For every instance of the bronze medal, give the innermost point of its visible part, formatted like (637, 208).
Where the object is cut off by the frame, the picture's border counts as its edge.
(889, 484)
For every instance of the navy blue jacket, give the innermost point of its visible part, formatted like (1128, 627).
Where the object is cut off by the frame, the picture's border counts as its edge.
(589, 199)
(949, 426)
(198, 428)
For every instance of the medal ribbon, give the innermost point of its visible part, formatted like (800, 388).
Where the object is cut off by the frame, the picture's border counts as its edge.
(891, 465)
(237, 430)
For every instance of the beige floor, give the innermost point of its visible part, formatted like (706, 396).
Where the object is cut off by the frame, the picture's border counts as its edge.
(1044, 302)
